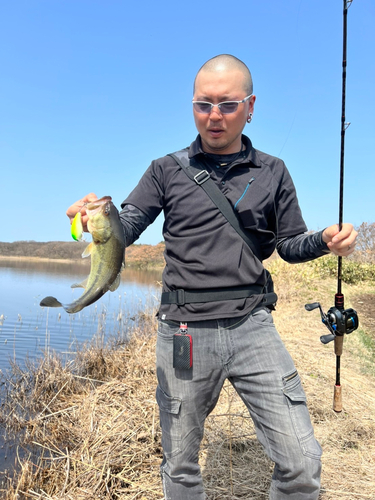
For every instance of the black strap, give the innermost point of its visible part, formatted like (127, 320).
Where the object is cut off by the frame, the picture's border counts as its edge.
(181, 297)
(203, 179)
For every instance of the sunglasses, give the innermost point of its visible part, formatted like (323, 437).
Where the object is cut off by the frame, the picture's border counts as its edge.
(226, 108)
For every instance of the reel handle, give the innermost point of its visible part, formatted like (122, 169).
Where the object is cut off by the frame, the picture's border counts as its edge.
(311, 307)
(325, 339)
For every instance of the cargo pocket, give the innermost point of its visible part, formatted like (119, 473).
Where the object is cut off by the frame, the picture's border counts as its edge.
(300, 417)
(170, 423)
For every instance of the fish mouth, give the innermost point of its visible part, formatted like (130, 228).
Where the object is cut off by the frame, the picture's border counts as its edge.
(93, 207)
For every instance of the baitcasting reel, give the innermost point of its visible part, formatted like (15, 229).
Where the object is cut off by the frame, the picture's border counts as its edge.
(338, 320)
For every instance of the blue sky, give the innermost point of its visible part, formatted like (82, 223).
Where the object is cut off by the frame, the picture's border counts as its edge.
(91, 91)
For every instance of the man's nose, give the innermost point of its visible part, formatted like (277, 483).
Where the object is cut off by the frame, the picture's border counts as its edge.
(215, 113)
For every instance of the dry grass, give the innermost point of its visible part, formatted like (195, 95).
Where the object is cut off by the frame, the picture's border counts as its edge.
(347, 438)
(90, 430)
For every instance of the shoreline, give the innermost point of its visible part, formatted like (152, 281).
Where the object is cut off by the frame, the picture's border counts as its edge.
(42, 259)
(137, 256)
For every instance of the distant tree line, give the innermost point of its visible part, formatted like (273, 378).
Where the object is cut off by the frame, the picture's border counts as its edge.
(48, 250)
(365, 248)
(141, 256)
(146, 256)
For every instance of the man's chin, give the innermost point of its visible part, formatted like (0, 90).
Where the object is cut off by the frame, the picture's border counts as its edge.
(215, 146)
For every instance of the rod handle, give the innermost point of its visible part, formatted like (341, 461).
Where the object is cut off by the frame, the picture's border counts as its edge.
(337, 398)
(339, 342)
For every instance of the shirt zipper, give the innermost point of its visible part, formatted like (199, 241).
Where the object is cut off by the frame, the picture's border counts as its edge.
(243, 194)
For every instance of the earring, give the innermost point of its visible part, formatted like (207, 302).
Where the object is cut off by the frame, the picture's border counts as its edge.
(250, 117)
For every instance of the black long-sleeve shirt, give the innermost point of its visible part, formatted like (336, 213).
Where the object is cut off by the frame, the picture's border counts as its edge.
(293, 249)
(202, 250)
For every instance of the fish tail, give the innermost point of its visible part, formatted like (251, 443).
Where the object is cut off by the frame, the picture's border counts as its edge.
(50, 302)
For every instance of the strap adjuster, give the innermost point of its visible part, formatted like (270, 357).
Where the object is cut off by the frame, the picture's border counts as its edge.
(201, 177)
(180, 297)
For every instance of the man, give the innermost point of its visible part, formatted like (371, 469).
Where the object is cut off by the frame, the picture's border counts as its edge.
(232, 337)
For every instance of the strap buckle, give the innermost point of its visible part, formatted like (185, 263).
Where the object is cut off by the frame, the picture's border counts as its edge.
(180, 297)
(201, 177)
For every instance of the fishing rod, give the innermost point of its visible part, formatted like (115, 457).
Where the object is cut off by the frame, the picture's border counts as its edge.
(338, 320)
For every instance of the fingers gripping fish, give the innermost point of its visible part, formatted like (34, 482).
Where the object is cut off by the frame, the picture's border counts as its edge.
(107, 251)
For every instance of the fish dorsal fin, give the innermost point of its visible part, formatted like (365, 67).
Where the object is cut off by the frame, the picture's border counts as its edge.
(87, 250)
(80, 285)
(116, 283)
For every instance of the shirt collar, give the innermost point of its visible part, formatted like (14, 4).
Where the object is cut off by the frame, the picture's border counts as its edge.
(251, 153)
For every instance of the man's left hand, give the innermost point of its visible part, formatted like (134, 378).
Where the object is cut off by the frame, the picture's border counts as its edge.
(342, 242)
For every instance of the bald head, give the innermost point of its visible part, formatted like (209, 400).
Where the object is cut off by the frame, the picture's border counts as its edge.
(224, 63)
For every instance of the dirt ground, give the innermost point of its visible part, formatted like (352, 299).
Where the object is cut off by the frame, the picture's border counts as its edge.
(364, 304)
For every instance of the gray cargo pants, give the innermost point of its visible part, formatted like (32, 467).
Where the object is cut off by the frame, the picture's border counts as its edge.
(249, 352)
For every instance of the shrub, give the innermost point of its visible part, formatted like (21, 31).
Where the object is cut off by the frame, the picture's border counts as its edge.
(365, 247)
(352, 271)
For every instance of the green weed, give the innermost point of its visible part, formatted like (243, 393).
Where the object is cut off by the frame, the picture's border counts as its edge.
(352, 271)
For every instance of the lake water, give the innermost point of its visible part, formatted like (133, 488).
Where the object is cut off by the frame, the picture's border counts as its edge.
(28, 329)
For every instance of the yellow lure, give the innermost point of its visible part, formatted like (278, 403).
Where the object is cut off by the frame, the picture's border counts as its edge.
(76, 229)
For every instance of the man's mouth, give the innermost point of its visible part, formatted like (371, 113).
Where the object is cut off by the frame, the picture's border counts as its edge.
(215, 132)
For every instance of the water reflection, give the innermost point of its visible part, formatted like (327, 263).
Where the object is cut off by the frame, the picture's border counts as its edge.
(70, 268)
(28, 329)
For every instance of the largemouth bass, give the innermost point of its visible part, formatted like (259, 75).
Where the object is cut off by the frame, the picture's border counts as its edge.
(107, 251)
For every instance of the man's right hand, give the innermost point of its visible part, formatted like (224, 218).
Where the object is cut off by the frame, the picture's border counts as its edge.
(79, 206)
